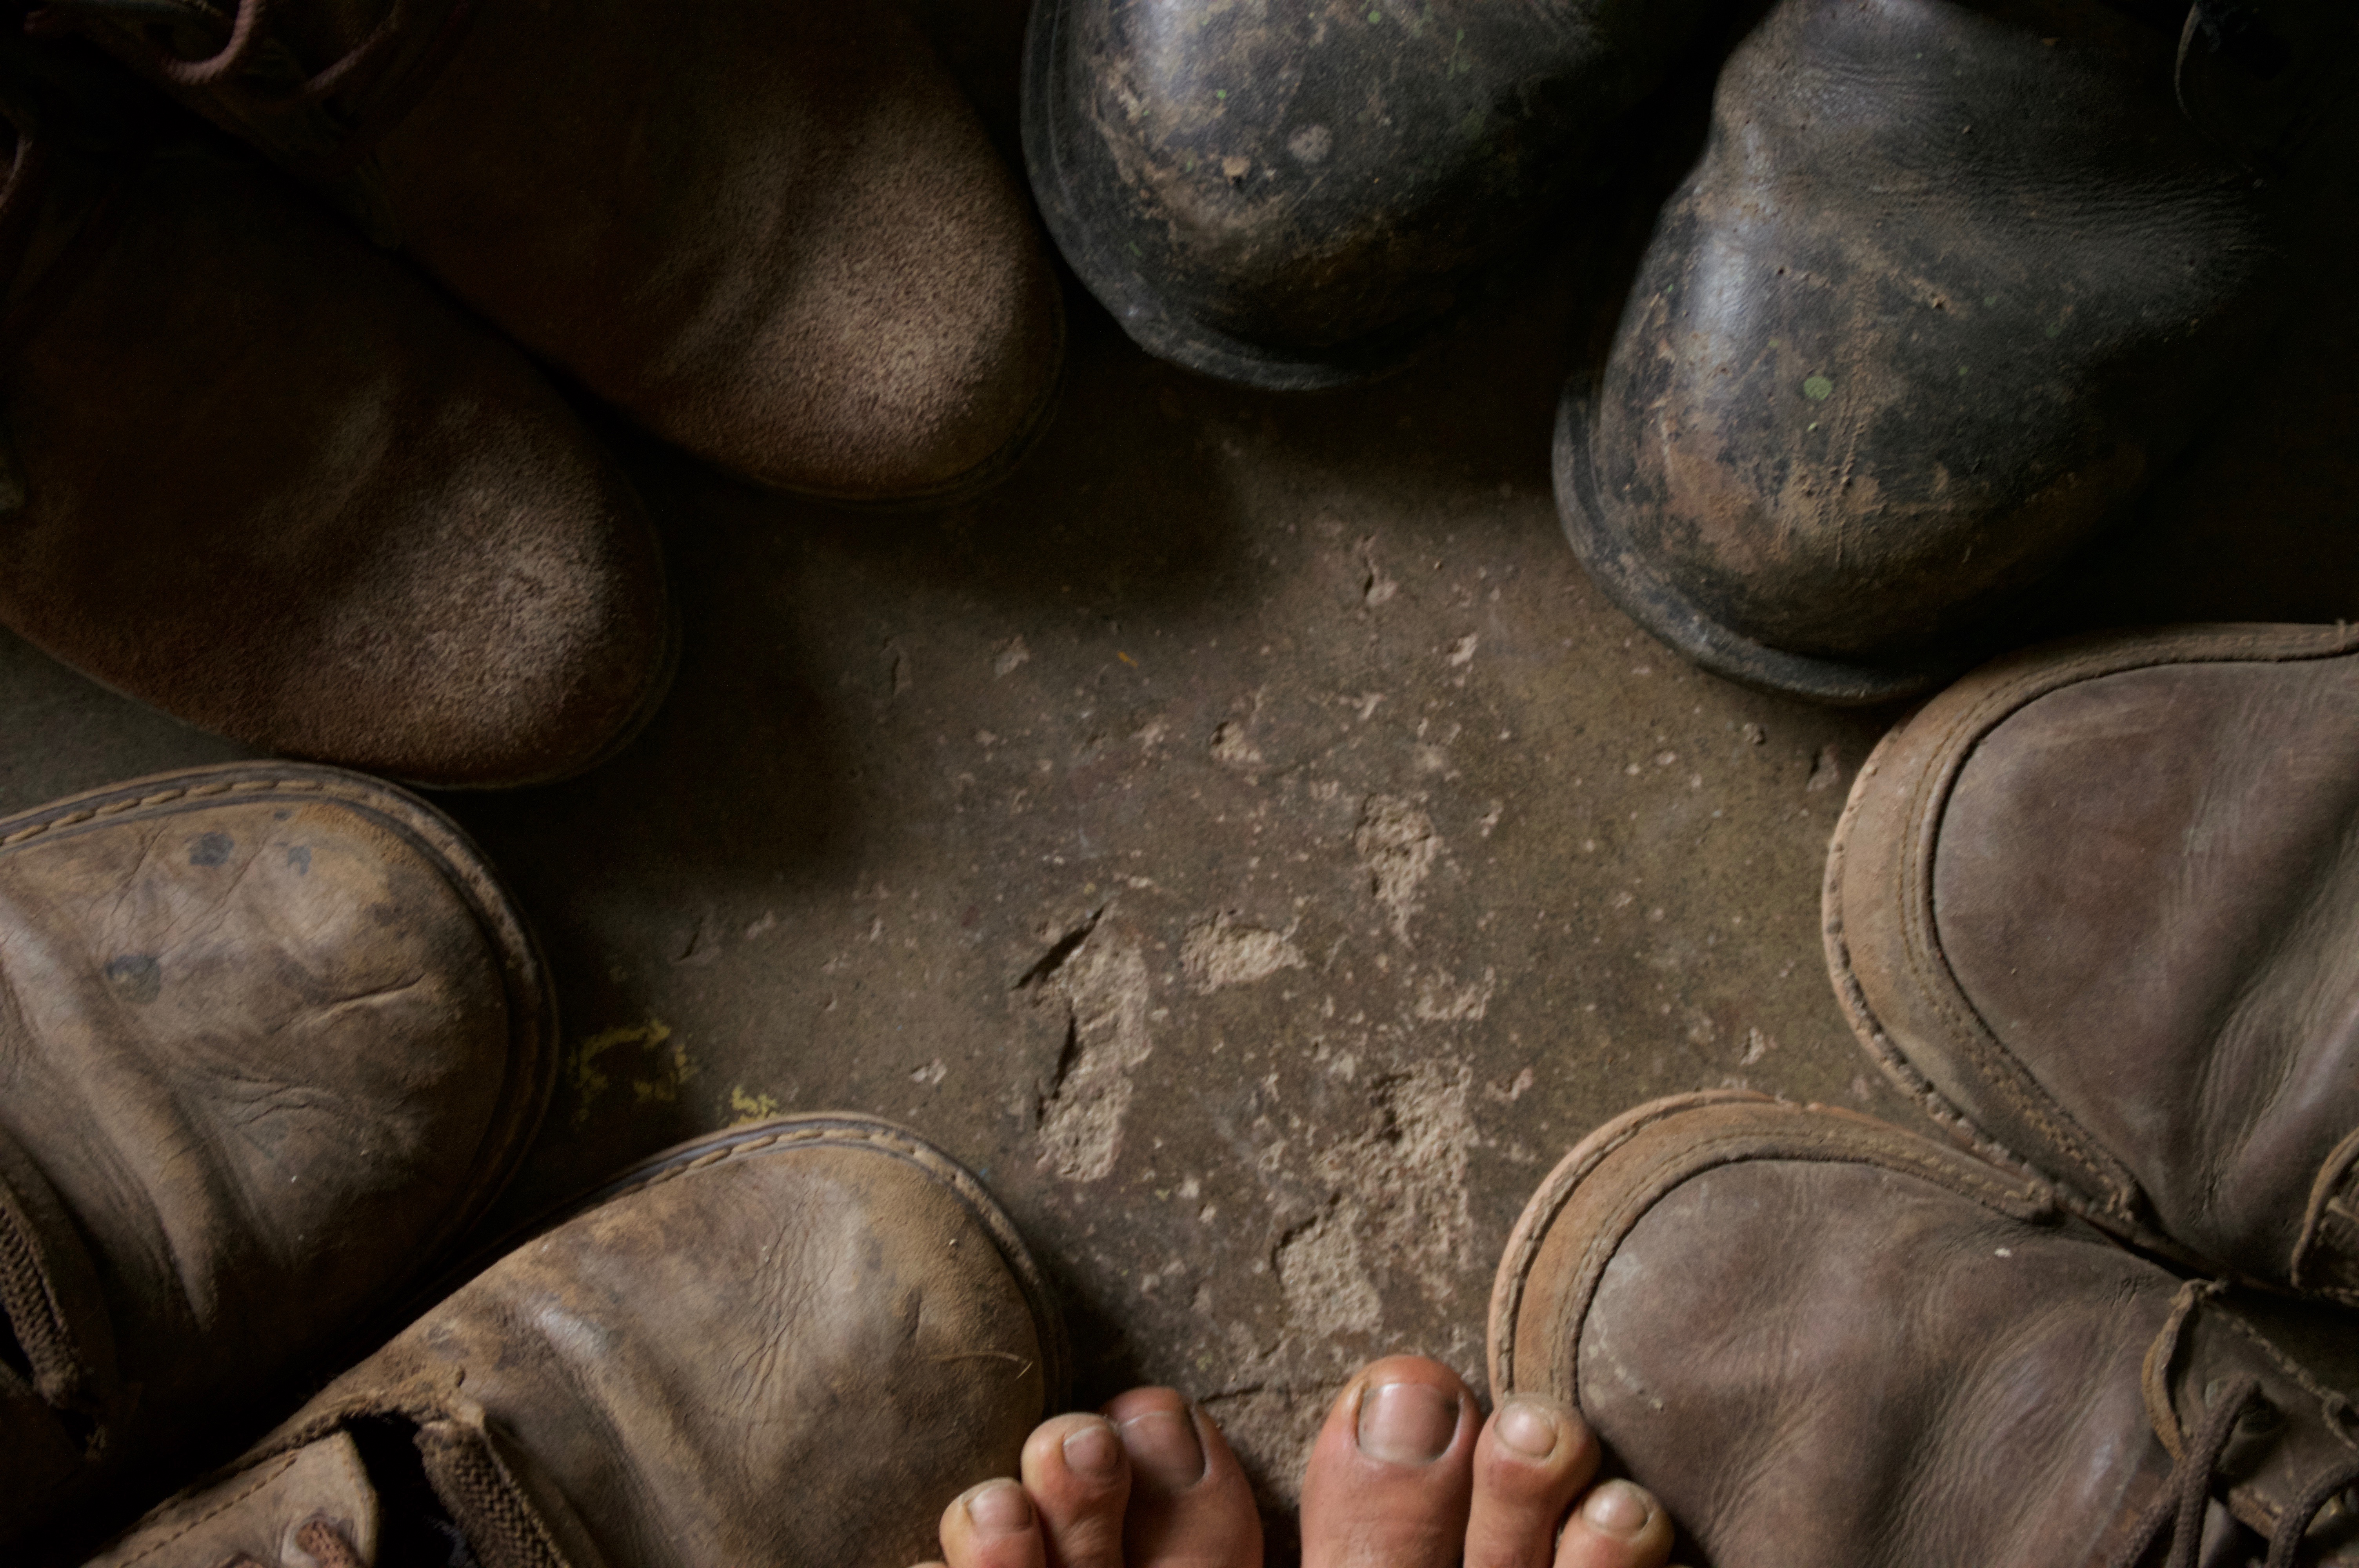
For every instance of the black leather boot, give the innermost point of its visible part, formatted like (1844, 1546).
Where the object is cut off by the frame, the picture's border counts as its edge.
(1950, 285)
(1295, 196)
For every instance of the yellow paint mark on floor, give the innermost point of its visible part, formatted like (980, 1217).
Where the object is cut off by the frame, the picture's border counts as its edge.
(669, 1068)
(750, 1109)
(672, 1069)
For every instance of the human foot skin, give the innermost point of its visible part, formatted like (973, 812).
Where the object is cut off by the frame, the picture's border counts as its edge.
(1405, 1474)
(1150, 1483)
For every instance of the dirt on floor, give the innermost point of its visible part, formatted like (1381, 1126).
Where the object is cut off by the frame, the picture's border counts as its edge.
(1246, 839)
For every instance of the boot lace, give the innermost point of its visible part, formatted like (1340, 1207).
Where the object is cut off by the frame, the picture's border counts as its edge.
(364, 74)
(2176, 1515)
(249, 26)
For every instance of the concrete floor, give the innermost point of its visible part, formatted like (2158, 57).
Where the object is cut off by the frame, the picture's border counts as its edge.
(1245, 837)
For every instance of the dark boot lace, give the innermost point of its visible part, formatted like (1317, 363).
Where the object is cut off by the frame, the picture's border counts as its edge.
(327, 1545)
(374, 93)
(2176, 1515)
(249, 27)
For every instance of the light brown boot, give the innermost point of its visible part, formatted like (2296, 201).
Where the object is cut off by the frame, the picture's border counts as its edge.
(270, 1036)
(795, 1342)
(2092, 907)
(1820, 1339)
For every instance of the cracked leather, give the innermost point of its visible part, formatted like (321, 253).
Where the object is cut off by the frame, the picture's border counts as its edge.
(1296, 194)
(2092, 906)
(269, 1035)
(1818, 1339)
(1946, 288)
(824, 1304)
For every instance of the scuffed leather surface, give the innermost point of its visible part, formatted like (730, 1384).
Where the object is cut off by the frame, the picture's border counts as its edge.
(263, 1047)
(2146, 884)
(790, 248)
(1820, 1339)
(1944, 291)
(1303, 177)
(2087, 907)
(772, 232)
(275, 485)
(793, 1349)
(1825, 1363)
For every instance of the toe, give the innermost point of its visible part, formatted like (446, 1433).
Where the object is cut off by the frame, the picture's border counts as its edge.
(1077, 1477)
(1617, 1525)
(1535, 1456)
(1191, 1506)
(993, 1525)
(1392, 1473)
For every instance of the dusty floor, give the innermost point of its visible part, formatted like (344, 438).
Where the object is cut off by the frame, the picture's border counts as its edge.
(1246, 839)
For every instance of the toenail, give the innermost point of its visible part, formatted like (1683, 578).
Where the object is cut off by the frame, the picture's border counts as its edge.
(1407, 1423)
(1094, 1451)
(1163, 1450)
(1000, 1509)
(1617, 1508)
(1524, 1428)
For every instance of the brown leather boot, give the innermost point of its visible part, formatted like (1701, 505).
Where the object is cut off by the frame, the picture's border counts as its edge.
(2091, 906)
(269, 1036)
(795, 1342)
(1818, 1339)
(773, 232)
(267, 478)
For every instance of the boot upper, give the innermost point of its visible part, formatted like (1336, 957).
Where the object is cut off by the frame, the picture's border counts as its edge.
(790, 250)
(2093, 903)
(267, 1038)
(1818, 1339)
(795, 1343)
(1941, 295)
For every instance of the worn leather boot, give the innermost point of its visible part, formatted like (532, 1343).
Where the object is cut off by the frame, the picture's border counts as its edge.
(795, 1342)
(772, 232)
(269, 1036)
(1818, 1339)
(1295, 195)
(2090, 907)
(267, 479)
(1949, 286)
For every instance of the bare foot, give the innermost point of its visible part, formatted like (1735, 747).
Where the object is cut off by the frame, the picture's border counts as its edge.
(1148, 1484)
(1406, 1474)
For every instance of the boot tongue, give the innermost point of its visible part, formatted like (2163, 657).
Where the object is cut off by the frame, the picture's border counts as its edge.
(2293, 1431)
(313, 1507)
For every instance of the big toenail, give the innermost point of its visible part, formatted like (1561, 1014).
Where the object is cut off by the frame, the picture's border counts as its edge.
(1000, 1509)
(1524, 1429)
(1407, 1423)
(1617, 1508)
(1163, 1450)
(1094, 1451)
